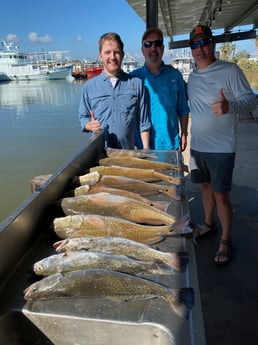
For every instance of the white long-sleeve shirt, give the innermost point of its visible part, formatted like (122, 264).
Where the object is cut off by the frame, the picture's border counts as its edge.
(209, 132)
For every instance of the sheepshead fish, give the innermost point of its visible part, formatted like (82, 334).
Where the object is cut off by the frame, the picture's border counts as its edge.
(86, 225)
(147, 175)
(107, 204)
(141, 187)
(122, 246)
(109, 284)
(86, 189)
(82, 259)
(138, 163)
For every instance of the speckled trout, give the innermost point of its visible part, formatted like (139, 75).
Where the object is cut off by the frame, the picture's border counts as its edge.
(141, 187)
(147, 175)
(109, 284)
(87, 189)
(86, 225)
(122, 246)
(133, 162)
(82, 259)
(107, 204)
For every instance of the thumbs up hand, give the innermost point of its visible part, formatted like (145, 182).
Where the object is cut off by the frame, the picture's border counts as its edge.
(220, 107)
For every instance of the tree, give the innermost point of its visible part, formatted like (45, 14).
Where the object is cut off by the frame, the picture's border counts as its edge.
(226, 49)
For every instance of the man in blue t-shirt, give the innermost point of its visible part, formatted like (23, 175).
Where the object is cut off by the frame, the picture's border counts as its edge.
(167, 97)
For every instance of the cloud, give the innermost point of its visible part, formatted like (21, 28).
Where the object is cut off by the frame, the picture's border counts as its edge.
(12, 38)
(33, 37)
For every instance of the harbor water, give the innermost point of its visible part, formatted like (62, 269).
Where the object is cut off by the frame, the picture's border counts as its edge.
(39, 132)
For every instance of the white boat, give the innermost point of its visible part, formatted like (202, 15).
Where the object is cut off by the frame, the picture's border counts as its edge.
(185, 64)
(130, 65)
(15, 66)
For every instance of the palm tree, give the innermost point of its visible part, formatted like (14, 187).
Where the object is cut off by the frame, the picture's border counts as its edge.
(226, 49)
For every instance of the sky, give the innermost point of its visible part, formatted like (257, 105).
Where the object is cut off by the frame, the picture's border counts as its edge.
(75, 27)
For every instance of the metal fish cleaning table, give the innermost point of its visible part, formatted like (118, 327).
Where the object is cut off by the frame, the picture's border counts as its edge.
(26, 236)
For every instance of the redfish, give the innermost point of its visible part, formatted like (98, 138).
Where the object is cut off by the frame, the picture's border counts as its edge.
(107, 204)
(109, 284)
(87, 189)
(138, 163)
(140, 187)
(147, 175)
(86, 225)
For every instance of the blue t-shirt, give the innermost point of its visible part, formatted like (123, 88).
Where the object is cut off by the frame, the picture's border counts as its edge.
(119, 109)
(167, 101)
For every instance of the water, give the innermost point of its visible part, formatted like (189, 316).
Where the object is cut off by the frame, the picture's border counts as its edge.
(39, 132)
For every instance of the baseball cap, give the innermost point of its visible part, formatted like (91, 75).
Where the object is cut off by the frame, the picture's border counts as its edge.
(152, 31)
(201, 30)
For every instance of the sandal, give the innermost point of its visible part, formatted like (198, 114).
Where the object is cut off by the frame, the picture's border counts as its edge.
(224, 253)
(204, 230)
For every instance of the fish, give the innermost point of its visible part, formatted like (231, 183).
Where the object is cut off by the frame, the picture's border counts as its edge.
(107, 204)
(90, 178)
(111, 285)
(140, 187)
(122, 246)
(83, 259)
(111, 152)
(138, 163)
(86, 225)
(147, 175)
(87, 189)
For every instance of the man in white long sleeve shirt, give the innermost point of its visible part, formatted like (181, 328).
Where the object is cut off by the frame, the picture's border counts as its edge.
(218, 92)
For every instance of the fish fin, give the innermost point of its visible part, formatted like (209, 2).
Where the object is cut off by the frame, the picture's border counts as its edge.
(182, 301)
(181, 226)
(161, 205)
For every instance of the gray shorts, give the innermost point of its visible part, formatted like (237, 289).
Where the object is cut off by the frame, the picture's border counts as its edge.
(213, 168)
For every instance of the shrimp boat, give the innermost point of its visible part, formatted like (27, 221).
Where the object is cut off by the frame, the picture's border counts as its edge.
(16, 66)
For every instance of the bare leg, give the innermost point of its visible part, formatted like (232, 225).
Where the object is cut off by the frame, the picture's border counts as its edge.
(225, 215)
(208, 202)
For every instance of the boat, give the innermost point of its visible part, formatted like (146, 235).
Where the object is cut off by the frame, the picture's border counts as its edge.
(16, 66)
(87, 70)
(27, 236)
(129, 65)
(184, 63)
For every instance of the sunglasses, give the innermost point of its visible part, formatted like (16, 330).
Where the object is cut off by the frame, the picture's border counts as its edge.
(202, 43)
(157, 43)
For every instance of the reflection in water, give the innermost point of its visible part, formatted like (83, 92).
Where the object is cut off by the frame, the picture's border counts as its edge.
(39, 132)
(19, 95)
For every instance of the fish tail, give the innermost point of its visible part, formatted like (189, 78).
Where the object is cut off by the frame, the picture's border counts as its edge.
(181, 226)
(178, 261)
(161, 205)
(182, 301)
(159, 268)
(59, 246)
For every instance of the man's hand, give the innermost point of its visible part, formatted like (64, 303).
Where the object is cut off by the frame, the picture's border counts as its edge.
(220, 107)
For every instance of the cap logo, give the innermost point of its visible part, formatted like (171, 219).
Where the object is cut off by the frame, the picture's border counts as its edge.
(198, 30)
